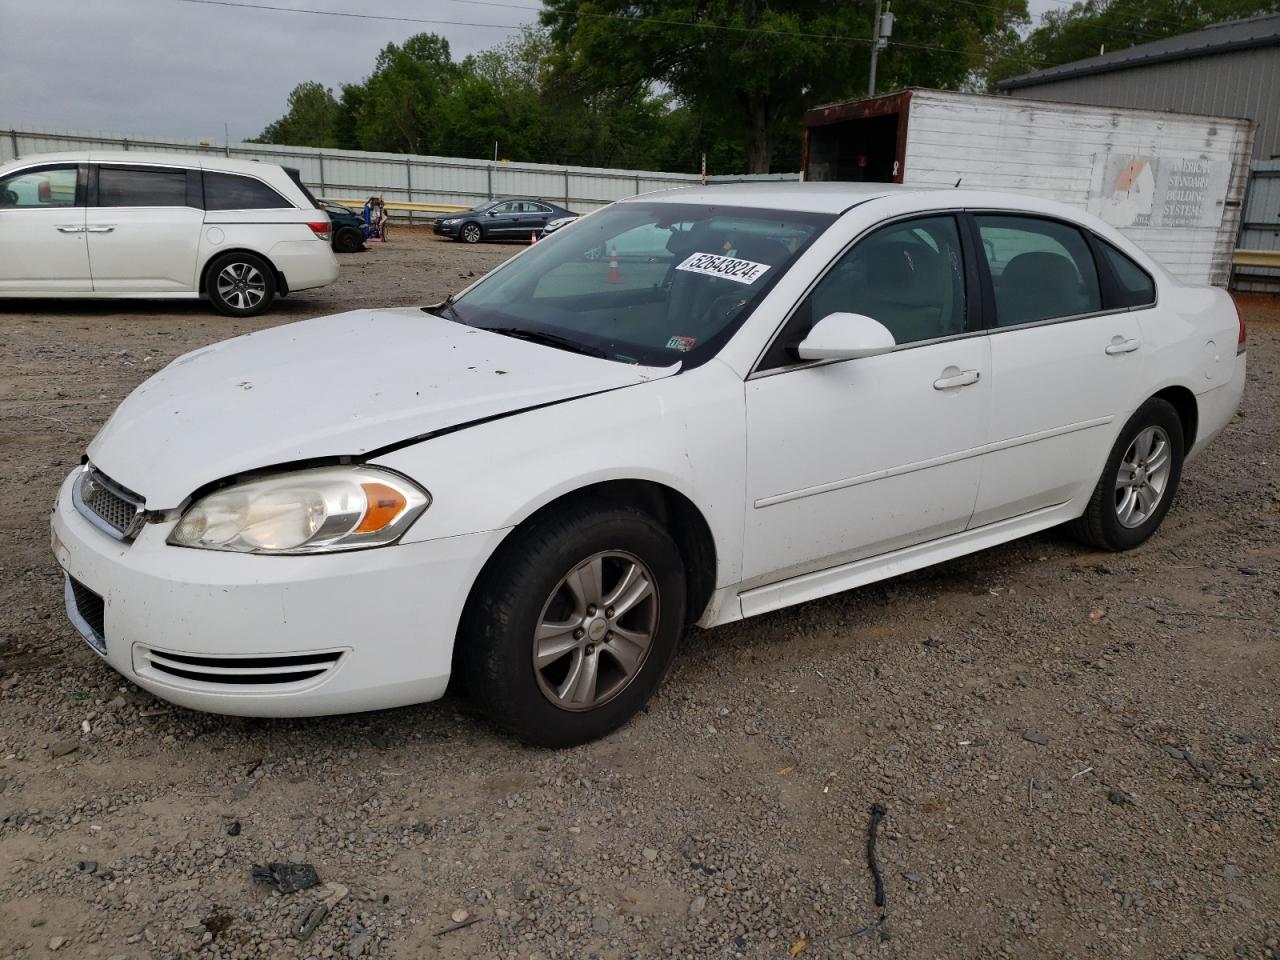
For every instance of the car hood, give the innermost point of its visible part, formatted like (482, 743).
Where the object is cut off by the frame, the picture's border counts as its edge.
(343, 385)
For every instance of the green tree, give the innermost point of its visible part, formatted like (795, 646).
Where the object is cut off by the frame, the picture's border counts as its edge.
(756, 65)
(399, 97)
(309, 121)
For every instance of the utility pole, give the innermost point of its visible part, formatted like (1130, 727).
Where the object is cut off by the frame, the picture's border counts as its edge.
(881, 31)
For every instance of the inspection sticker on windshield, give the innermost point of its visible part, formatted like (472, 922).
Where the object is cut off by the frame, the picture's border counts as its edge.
(729, 268)
(683, 344)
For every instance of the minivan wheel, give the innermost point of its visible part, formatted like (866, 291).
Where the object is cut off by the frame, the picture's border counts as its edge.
(574, 624)
(240, 284)
(348, 240)
(471, 233)
(1139, 481)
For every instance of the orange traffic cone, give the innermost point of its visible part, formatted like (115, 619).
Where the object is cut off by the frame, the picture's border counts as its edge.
(533, 237)
(614, 275)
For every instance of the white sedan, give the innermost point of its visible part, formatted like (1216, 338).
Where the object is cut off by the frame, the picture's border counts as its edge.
(540, 483)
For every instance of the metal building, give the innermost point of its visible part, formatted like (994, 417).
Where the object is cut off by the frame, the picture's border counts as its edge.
(1230, 69)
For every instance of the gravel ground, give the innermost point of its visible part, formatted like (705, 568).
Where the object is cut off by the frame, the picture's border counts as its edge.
(1077, 751)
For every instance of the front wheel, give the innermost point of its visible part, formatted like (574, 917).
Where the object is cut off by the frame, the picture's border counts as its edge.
(471, 233)
(240, 284)
(1138, 482)
(572, 627)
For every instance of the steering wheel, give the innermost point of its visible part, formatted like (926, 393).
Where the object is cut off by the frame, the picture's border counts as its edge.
(722, 309)
(10, 198)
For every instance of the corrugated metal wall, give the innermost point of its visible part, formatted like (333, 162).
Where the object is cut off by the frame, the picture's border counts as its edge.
(354, 174)
(1238, 83)
(1061, 151)
(1261, 230)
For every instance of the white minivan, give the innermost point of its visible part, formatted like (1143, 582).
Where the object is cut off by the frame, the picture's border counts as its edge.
(108, 224)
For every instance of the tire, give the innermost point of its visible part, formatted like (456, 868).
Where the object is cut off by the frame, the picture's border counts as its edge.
(240, 284)
(1120, 516)
(348, 240)
(581, 689)
(471, 233)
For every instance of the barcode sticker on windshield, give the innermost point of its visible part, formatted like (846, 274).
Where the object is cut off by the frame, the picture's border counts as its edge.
(727, 268)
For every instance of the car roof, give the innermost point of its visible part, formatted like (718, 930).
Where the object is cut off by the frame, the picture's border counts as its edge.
(824, 197)
(838, 197)
(207, 161)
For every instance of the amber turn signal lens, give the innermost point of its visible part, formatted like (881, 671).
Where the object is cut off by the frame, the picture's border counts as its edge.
(384, 505)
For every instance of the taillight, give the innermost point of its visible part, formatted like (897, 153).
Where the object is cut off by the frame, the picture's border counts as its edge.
(1240, 339)
(321, 228)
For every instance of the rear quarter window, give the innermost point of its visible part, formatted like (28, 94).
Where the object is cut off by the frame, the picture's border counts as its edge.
(230, 191)
(1135, 288)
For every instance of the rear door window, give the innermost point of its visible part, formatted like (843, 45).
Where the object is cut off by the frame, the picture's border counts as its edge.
(230, 191)
(1040, 269)
(142, 187)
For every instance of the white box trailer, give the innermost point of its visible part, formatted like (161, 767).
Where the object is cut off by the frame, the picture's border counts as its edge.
(1172, 182)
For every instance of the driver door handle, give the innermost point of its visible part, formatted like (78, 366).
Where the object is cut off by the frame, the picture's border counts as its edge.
(100, 228)
(70, 228)
(962, 379)
(1122, 346)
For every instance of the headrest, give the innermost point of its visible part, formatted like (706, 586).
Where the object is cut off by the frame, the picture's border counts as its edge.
(906, 273)
(1041, 269)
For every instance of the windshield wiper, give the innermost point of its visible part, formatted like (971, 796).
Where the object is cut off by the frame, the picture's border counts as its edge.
(549, 340)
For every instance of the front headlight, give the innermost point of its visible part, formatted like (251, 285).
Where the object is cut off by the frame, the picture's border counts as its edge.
(306, 511)
(450, 222)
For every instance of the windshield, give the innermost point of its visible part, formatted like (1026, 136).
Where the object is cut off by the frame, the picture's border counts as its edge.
(648, 283)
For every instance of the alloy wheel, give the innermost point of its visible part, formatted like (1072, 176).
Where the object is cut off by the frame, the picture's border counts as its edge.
(1142, 477)
(471, 233)
(596, 631)
(241, 285)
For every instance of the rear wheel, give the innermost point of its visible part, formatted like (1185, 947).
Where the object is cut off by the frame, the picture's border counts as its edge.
(574, 624)
(348, 240)
(1139, 481)
(471, 233)
(240, 284)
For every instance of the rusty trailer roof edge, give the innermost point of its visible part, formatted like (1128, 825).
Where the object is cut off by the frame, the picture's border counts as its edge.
(1062, 105)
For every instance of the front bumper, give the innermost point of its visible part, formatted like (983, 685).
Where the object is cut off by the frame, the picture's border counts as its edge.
(445, 230)
(288, 636)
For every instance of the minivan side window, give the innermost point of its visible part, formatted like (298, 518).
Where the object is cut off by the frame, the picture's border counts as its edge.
(1136, 288)
(141, 187)
(39, 189)
(229, 191)
(1040, 269)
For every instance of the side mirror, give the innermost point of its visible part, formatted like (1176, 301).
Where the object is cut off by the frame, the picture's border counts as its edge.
(493, 213)
(846, 336)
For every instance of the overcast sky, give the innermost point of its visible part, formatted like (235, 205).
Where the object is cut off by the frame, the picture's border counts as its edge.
(174, 69)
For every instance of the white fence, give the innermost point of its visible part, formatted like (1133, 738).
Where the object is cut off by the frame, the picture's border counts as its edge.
(410, 178)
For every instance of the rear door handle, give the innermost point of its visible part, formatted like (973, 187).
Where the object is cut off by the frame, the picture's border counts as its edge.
(962, 379)
(100, 228)
(70, 228)
(1119, 345)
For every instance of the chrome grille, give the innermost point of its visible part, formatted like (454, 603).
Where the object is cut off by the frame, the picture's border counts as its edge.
(107, 505)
